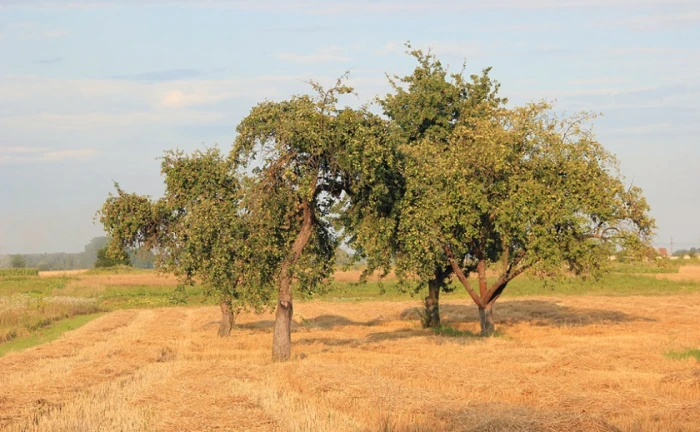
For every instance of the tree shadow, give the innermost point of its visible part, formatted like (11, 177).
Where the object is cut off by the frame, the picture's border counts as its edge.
(370, 338)
(537, 312)
(324, 322)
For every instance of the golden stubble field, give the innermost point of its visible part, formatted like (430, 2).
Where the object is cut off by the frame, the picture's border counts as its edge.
(564, 364)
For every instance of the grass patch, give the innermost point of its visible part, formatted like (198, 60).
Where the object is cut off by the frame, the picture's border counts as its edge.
(453, 332)
(47, 334)
(10, 272)
(681, 355)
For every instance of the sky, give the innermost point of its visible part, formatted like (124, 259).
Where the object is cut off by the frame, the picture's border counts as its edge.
(94, 91)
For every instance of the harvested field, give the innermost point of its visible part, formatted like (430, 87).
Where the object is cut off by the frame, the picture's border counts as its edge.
(685, 273)
(563, 364)
(59, 273)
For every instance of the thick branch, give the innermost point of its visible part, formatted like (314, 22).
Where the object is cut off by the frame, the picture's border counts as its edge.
(461, 276)
(285, 291)
(481, 271)
(508, 275)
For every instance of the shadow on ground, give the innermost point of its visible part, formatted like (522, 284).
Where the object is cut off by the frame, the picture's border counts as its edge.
(537, 312)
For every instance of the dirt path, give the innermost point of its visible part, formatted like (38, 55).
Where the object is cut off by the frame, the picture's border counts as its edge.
(574, 364)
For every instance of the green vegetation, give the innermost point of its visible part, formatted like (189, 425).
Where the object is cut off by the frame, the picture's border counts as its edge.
(452, 332)
(47, 334)
(18, 271)
(105, 260)
(681, 355)
(613, 284)
(18, 261)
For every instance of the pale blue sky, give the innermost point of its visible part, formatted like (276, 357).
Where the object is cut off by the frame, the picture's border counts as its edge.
(95, 91)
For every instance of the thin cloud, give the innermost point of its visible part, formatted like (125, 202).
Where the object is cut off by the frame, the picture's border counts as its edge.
(43, 154)
(48, 61)
(161, 76)
(31, 31)
(325, 55)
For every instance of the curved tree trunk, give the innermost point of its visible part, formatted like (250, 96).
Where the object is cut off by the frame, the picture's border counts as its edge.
(432, 305)
(486, 320)
(282, 337)
(227, 318)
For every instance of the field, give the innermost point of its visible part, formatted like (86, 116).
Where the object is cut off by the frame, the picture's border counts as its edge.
(617, 354)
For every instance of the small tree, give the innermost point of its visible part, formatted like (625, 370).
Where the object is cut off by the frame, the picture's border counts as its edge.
(105, 259)
(18, 261)
(198, 231)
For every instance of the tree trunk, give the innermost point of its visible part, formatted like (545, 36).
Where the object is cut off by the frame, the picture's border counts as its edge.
(486, 320)
(227, 318)
(282, 339)
(432, 305)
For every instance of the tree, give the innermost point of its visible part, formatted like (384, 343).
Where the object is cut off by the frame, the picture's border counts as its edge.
(307, 157)
(530, 190)
(104, 259)
(481, 184)
(17, 261)
(424, 109)
(198, 231)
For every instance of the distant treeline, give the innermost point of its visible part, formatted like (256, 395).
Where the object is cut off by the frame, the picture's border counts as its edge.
(71, 261)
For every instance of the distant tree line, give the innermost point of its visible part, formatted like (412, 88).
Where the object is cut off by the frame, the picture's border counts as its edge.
(94, 254)
(682, 252)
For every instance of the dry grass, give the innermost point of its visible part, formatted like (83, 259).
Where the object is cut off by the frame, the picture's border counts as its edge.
(685, 273)
(60, 273)
(565, 364)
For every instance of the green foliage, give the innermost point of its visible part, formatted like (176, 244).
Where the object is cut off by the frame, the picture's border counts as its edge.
(106, 260)
(310, 162)
(198, 231)
(482, 184)
(13, 272)
(18, 261)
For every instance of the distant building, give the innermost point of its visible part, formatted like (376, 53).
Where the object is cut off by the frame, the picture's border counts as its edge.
(663, 252)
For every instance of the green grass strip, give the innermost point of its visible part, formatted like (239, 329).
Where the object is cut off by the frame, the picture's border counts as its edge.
(681, 355)
(47, 334)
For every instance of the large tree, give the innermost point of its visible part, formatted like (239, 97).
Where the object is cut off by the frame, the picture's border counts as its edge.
(199, 231)
(529, 190)
(479, 184)
(305, 157)
(424, 109)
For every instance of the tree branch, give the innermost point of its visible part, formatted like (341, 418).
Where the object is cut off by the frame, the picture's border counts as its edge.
(461, 276)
